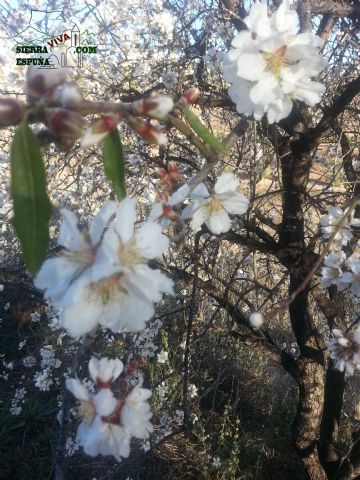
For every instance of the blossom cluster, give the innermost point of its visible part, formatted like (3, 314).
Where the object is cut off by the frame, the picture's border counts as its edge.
(340, 270)
(331, 222)
(108, 422)
(102, 276)
(270, 65)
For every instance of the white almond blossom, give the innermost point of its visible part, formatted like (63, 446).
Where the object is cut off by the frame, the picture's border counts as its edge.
(163, 356)
(335, 271)
(136, 413)
(164, 23)
(103, 438)
(345, 350)
(169, 79)
(123, 288)
(330, 222)
(95, 433)
(103, 278)
(354, 265)
(109, 423)
(270, 65)
(214, 209)
(56, 274)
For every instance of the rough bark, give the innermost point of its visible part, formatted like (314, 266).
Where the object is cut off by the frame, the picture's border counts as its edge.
(306, 428)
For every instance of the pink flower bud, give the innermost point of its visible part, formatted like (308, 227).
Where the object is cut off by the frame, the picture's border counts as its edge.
(344, 342)
(151, 134)
(190, 96)
(157, 106)
(40, 80)
(131, 367)
(64, 123)
(169, 178)
(99, 128)
(11, 112)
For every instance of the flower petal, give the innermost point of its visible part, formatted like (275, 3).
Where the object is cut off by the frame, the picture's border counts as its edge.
(125, 219)
(150, 241)
(227, 182)
(219, 222)
(70, 236)
(200, 215)
(101, 220)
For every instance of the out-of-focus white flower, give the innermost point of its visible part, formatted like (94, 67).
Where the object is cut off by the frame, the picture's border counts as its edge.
(330, 222)
(103, 438)
(29, 361)
(335, 271)
(43, 380)
(193, 391)
(135, 413)
(56, 274)
(345, 350)
(169, 79)
(103, 278)
(213, 58)
(256, 320)
(123, 288)
(71, 446)
(216, 463)
(164, 22)
(105, 371)
(214, 209)
(162, 357)
(69, 95)
(270, 64)
(354, 264)
(108, 423)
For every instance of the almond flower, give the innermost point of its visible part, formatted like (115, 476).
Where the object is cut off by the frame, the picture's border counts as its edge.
(95, 433)
(354, 266)
(329, 223)
(345, 350)
(103, 278)
(270, 65)
(135, 413)
(335, 271)
(79, 248)
(108, 423)
(214, 209)
(119, 289)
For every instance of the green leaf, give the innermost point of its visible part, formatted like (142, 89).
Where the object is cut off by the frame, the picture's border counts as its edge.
(32, 207)
(200, 129)
(114, 165)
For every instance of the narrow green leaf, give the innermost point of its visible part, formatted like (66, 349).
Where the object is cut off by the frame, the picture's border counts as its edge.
(200, 129)
(32, 207)
(114, 164)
